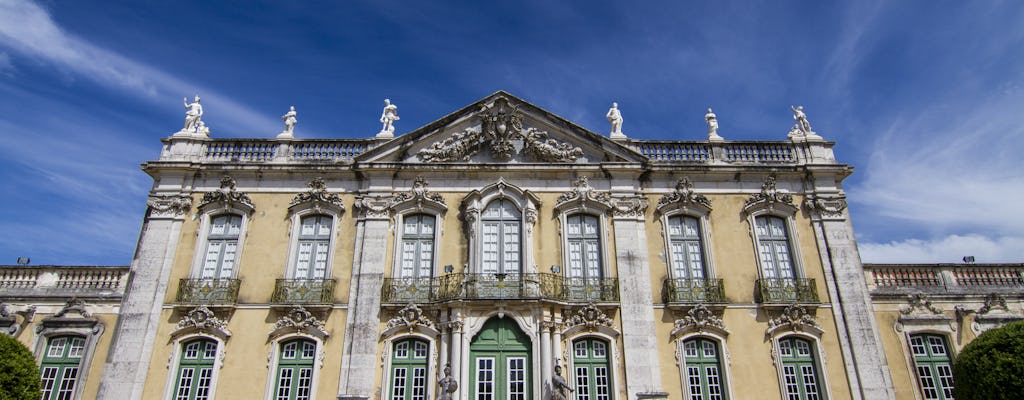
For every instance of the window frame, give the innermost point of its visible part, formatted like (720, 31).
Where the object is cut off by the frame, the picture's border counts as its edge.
(62, 363)
(203, 240)
(704, 237)
(716, 336)
(87, 327)
(572, 376)
(817, 356)
(274, 362)
(932, 364)
(400, 219)
(175, 365)
(429, 337)
(601, 238)
(296, 215)
(796, 259)
(477, 200)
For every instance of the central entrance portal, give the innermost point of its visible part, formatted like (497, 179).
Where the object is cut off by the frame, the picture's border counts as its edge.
(500, 359)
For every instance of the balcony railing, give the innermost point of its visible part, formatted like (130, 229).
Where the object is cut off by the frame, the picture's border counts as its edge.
(208, 291)
(681, 290)
(782, 290)
(499, 287)
(63, 281)
(944, 278)
(303, 291)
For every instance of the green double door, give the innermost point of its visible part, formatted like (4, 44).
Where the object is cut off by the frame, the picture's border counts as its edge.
(500, 362)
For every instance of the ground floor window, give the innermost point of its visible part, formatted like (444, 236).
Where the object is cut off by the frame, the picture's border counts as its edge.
(592, 369)
(703, 369)
(500, 361)
(799, 369)
(60, 367)
(295, 370)
(934, 370)
(409, 370)
(195, 370)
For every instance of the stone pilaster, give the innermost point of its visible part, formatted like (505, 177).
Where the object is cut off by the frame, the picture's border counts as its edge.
(135, 335)
(359, 353)
(643, 374)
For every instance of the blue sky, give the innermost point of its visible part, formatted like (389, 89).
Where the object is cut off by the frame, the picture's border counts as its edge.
(925, 99)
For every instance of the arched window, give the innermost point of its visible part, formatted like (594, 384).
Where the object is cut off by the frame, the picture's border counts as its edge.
(409, 370)
(703, 365)
(583, 234)
(221, 246)
(194, 378)
(417, 246)
(501, 238)
(932, 362)
(687, 251)
(800, 372)
(774, 246)
(60, 367)
(313, 246)
(592, 371)
(294, 378)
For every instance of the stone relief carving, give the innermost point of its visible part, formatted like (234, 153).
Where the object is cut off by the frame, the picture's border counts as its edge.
(374, 206)
(827, 207)
(698, 319)
(795, 317)
(201, 319)
(993, 301)
(582, 192)
(299, 320)
(8, 323)
(75, 305)
(410, 317)
(169, 205)
(227, 194)
(318, 193)
(381, 205)
(501, 130)
(918, 303)
(629, 206)
(769, 195)
(419, 194)
(684, 195)
(589, 318)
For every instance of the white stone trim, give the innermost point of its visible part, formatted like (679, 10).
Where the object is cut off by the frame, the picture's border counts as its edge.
(473, 206)
(88, 328)
(702, 216)
(799, 271)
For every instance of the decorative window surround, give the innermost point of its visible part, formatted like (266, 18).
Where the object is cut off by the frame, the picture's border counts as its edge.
(794, 318)
(583, 200)
(417, 201)
(225, 201)
(476, 201)
(298, 362)
(201, 321)
(993, 314)
(411, 319)
(299, 322)
(772, 203)
(681, 203)
(62, 324)
(174, 363)
(316, 201)
(723, 358)
(699, 320)
(226, 198)
(589, 319)
(816, 360)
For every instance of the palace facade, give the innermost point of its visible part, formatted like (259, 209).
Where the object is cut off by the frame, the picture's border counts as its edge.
(500, 241)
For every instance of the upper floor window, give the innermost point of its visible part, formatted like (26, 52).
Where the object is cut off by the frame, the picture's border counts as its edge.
(801, 377)
(932, 362)
(501, 238)
(194, 378)
(295, 370)
(313, 246)
(584, 246)
(686, 248)
(60, 367)
(774, 248)
(417, 246)
(221, 246)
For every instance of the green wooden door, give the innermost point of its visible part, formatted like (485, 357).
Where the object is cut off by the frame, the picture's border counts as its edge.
(500, 362)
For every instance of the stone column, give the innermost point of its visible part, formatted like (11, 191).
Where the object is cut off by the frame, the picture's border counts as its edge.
(456, 354)
(124, 374)
(443, 346)
(359, 353)
(866, 366)
(643, 375)
(546, 358)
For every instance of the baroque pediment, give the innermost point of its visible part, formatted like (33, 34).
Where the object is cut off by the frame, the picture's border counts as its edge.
(501, 129)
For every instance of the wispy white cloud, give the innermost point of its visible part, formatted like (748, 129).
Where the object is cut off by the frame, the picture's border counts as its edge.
(29, 30)
(6, 68)
(948, 249)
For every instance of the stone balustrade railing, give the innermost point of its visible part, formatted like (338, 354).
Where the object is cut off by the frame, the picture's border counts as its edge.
(62, 281)
(345, 150)
(944, 278)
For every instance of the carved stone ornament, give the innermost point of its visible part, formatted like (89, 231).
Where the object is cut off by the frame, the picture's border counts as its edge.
(589, 318)
(318, 193)
(827, 207)
(419, 194)
(684, 196)
(201, 319)
(993, 301)
(918, 303)
(75, 305)
(698, 319)
(410, 317)
(581, 193)
(374, 206)
(227, 194)
(5, 312)
(299, 320)
(769, 195)
(501, 131)
(8, 324)
(169, 205)
(629, 206)
(795, 317)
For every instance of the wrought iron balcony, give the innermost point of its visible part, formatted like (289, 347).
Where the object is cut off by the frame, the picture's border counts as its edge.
(783, 290)
(303, 291)
(208, 291)
(682, 290)
(499, 287)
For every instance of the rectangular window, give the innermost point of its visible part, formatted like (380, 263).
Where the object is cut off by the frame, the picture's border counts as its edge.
(60, 366)
(485, 378)
(933, 365)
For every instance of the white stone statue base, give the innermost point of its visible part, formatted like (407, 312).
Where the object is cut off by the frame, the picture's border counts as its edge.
(715, 138)
(385, 135)
(285, 135)
(617, 136)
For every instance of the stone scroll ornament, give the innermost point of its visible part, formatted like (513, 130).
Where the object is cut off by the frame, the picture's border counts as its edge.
(318, 193)
(410, 317)
(227, 194)
(501, 132)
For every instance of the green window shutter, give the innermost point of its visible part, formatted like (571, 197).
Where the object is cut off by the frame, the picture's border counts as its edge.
(799, 369)
(294, 378)
(933, 367)
(409, 370)
(592, 369)
(195, 370)
(60, 367)
(704, 378)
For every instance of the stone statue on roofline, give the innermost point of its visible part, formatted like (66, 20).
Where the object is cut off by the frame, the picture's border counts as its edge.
(388, 118)
(194, 118)
(802, 128)
(615, 117)
(289, 124)
(712, 121)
